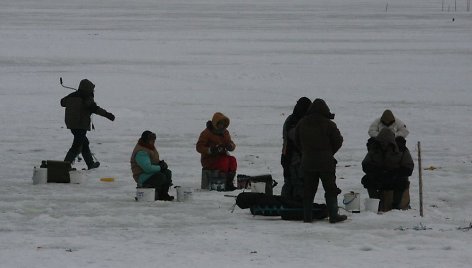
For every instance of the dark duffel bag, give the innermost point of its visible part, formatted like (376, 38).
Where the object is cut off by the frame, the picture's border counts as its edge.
(247, 200)
(319, 212)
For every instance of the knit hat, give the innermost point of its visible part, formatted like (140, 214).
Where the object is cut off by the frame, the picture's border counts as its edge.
(147, 136)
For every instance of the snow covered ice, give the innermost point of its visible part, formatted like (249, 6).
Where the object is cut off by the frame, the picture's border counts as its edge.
(167, 66)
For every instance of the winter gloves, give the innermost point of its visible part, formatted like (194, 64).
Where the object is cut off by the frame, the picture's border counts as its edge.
(229, 147)
(163, 165)
(110, 116)
(220, 149)
(401, 143)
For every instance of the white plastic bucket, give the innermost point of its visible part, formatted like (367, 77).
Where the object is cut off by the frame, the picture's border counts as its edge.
(372, 205)
(76, 176)
(40, 175)
(184, 194)
(352, 202)
(145, 194)
(258, 187)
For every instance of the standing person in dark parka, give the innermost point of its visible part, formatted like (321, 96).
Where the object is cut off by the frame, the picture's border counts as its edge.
(80, 105)
(291, 156)
(319, 139)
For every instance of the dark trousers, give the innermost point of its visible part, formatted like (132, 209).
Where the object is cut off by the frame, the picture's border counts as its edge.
(161, 180)
(80, 145)
(311, 181)
(293, 183)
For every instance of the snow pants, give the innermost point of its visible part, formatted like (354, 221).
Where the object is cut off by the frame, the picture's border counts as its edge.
(225, 163)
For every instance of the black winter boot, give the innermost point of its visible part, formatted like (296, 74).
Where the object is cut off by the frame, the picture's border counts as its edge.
(163, 194)
(94, 165)
(229, 185)
(332, 204)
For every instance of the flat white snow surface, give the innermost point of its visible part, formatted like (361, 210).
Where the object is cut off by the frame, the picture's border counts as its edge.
(168, 65)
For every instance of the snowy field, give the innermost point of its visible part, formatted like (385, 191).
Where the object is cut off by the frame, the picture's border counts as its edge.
(168, 65)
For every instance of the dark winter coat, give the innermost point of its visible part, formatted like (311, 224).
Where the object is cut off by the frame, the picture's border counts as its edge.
(80, 105)
(290, 153)
(318, 138)
(387, 167)
(210, 137)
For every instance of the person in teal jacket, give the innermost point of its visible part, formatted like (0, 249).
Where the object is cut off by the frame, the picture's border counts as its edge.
(148, 170)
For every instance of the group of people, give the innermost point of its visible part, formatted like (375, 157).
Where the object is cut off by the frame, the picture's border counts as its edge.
(149, 171)
(310, 141)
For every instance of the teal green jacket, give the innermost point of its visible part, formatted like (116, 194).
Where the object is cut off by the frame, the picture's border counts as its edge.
(144, 162)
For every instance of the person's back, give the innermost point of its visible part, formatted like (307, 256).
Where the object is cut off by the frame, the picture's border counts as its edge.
(384, 154)
(319, 139)
(291, 155)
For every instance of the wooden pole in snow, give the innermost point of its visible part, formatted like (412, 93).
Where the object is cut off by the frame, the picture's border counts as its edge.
(420, 179)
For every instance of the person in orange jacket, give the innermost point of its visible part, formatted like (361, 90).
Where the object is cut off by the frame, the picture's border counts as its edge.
(214, 145)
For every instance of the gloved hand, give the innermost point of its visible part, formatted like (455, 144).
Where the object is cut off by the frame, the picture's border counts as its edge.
(110, 116)
(401, 143)
(229, 147)
(163, 165)
(217, 149)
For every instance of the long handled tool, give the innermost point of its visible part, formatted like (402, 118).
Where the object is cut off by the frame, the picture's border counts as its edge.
(60, 80)
(420, 179)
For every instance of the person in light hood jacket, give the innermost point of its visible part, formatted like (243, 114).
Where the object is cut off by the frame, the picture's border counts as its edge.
(388, 120)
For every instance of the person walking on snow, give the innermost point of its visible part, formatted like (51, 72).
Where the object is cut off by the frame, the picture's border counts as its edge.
(80, 105)
(214, 145)
(318, 138)
(148, 170)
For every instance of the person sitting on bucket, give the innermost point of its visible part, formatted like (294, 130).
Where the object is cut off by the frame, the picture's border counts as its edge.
(214, 145)
(387, 170)
(148, 170)
(80, 105)
(388, 120)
